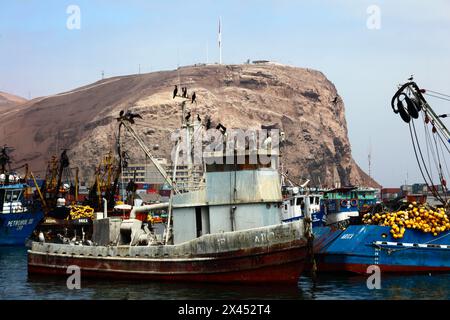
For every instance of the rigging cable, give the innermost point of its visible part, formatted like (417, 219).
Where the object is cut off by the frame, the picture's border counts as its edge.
(437, 97)
(428, 143)
(442, 94)
(443, 181)
(433, 189)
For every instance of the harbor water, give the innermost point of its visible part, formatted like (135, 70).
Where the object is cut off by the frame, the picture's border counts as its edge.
(15, 284)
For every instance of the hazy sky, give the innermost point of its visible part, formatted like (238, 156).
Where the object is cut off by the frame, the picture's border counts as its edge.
(39, 55)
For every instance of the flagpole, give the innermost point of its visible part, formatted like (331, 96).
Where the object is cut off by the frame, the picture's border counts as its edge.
(220, 41)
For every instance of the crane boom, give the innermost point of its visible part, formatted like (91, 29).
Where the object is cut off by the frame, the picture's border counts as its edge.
(146, 150)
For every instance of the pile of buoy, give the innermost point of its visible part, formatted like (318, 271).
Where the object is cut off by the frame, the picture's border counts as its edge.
(78, 212)
(415, 216)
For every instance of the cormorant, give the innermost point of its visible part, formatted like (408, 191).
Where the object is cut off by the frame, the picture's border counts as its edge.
(121, 113)
(335, 99)
(198, 118)
(188, 116)
(175, 91)
(411, 78)
(194, 96)
(130, 116)
(184, 90)
(208, 123)
(221, 128)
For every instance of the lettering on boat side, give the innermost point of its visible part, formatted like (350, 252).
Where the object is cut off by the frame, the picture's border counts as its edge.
(347, 236)
(74, 280)
(221, 241)
(19, 224)
(225, 309)
(263, 237)
(374, 280)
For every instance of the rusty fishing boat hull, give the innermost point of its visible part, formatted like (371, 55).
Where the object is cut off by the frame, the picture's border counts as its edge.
(276, 254)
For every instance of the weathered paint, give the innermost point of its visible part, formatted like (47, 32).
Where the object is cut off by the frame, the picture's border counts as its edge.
(184, 225)
(262, 185)
(269, 254)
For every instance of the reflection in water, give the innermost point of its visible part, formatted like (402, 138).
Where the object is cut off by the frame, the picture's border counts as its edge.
(15, 284)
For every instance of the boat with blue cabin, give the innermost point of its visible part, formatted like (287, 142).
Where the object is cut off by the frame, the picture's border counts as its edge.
(343, 244)
(18, 217)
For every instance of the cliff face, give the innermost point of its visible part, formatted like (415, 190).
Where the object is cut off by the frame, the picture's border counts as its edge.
(303, 102)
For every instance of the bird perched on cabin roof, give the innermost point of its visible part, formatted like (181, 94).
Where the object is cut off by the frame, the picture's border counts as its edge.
(222, 128)
(208, 123)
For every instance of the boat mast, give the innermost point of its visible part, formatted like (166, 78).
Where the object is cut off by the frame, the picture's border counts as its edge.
(126, 123)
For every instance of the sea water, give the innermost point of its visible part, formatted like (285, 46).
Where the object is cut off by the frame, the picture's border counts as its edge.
(16, 284)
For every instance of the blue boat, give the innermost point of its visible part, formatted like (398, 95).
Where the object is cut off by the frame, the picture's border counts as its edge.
(18, 218)
(360, 246)
(341, 246)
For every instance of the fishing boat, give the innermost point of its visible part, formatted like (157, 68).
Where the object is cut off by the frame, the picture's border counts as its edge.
(417, 238)
(294, 205)
(18, 217)
(360, 246)
(227, 228)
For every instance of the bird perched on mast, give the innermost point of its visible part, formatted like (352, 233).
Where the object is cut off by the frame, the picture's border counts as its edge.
(188, 116)
(208, 123)
(194, 96)
(131, 116)
(175, 92)
(198, 118)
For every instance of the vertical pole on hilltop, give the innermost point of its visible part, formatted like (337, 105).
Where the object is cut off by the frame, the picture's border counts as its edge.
(220, 41)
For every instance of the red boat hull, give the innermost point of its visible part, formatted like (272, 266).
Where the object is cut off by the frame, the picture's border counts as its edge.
(270, 264)
(362, 268)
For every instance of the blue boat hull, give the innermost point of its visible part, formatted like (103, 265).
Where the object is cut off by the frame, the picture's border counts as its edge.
(360, 246)
(16, 228)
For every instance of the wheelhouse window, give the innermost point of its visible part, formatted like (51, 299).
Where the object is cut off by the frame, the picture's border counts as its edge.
(12, 195)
